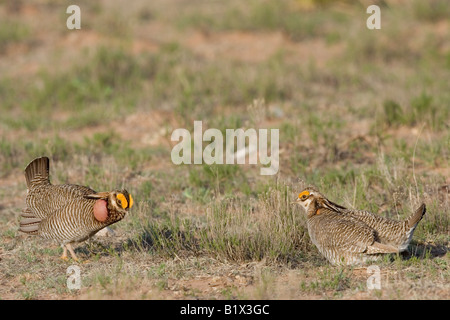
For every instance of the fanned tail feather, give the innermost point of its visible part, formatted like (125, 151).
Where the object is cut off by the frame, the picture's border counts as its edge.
(37, 172)
(414, 219)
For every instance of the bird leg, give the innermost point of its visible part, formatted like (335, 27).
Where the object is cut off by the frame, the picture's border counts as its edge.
(64, 255)
(72, 253)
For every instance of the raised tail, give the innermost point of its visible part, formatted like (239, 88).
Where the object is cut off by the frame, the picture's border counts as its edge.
(411, 222)
(37, 172)
(29, 222)
(414, 219)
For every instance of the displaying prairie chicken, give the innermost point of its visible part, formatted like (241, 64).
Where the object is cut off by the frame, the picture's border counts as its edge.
(68, 213)
(347, 236)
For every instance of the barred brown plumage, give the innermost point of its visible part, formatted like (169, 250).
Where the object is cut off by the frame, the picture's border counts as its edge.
(68, 213)
(347, 236)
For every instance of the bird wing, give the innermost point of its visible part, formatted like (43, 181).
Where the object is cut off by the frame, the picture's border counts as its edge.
(44, 201)
(349, 234)
(387, 229)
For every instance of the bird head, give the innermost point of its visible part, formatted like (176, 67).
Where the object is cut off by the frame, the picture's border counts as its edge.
(311, 200)
(308, 198)
(111, 206)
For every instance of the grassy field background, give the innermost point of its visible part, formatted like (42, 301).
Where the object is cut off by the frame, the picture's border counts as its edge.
(364, 115)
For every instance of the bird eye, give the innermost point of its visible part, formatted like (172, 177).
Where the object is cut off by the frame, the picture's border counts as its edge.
(304, 195)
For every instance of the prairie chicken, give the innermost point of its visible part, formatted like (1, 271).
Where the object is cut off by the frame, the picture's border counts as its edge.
(347, 236)
(68, 213)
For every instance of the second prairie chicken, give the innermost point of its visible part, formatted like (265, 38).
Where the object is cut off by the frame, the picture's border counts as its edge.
(347, 236)
(68, 213)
